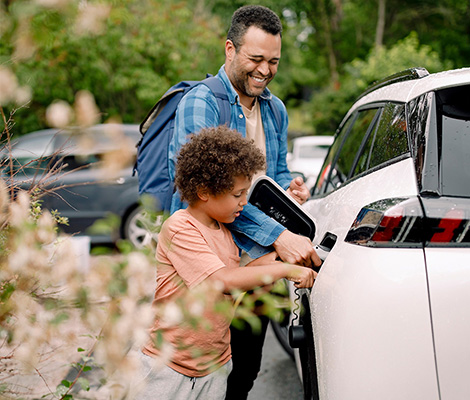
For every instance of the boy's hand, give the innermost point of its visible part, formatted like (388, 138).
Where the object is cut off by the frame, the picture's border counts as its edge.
(303, 277)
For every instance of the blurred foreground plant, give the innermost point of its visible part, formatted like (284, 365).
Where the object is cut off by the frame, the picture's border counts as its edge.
(50, 305)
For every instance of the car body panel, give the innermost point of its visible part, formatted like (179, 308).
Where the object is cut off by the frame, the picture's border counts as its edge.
(92, 197)
(389, 308)
(330, 212)
(372, 326)
(449, 286)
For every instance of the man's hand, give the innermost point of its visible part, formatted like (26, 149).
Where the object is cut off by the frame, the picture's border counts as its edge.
(296, 249)
(298, 190)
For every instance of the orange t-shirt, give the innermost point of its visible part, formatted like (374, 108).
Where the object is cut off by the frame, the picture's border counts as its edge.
(187, 253)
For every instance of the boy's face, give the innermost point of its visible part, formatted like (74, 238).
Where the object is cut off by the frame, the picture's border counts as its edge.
(226, 207)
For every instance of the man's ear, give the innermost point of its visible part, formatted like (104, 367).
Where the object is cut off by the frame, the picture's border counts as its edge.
(229, 50)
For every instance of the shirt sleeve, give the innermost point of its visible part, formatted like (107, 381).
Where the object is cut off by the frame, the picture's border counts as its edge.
(257, 226)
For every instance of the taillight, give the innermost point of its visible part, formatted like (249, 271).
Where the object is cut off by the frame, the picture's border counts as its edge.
(412, 222)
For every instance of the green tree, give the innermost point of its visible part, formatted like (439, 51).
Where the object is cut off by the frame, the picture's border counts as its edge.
(142, 48)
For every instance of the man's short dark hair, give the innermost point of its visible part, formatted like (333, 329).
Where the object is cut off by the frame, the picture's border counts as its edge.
(212, 159)
(257, 16)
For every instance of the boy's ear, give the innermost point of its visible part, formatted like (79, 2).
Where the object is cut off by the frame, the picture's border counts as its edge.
(203, 194)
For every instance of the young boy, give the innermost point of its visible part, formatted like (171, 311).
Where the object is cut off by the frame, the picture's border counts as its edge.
(195, 250)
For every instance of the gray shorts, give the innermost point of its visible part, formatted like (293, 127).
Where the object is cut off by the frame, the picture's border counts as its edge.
(164, 383)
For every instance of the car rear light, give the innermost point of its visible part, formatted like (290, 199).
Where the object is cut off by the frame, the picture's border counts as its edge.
(412, 222)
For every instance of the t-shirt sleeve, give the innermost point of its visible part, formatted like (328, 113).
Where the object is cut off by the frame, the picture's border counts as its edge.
(192, 257)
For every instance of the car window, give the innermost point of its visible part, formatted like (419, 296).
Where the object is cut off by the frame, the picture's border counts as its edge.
(34, 147)
(35, 155)
(361, 127)
(454, 122)
(71, 162)
(341, 157)
(387, 142)
(28, 165)
(322, 180)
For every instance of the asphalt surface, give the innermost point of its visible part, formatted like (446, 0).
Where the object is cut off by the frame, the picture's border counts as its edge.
(278, 377)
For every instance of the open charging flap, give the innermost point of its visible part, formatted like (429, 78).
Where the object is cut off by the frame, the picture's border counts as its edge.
(274, 201)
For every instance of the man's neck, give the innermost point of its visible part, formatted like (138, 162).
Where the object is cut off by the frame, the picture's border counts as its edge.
(249, 102)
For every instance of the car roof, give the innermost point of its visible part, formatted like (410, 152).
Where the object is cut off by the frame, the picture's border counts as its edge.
(320, 140)
(55, 139)
(407, 90)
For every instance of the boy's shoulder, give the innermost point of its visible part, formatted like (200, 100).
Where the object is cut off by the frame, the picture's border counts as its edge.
(180, 219)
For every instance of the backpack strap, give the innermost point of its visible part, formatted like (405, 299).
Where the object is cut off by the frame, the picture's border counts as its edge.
(218, 89)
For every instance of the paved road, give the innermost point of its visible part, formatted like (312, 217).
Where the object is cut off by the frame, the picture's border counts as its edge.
(278, 377)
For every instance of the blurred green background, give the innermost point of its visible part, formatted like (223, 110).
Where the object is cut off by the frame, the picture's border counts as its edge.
(127, 53)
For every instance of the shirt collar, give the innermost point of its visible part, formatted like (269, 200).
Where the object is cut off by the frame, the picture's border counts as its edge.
(232, 93)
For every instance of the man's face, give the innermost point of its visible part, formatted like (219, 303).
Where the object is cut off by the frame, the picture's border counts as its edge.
(254, 65)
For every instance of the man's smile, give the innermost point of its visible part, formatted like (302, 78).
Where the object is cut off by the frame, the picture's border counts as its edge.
(258, 79)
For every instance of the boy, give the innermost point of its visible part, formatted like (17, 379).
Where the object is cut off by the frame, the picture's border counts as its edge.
(195, 250)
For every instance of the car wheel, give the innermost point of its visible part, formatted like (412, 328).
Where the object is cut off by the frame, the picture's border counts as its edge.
(140, 228)
(307, 355)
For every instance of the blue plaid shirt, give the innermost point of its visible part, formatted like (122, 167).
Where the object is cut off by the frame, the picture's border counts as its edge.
(253, 231)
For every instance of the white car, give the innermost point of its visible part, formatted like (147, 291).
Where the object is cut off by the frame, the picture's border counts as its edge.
(307, 155)
(389, 314)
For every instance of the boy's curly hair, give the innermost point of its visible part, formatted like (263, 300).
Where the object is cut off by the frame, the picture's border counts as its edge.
(212, 159)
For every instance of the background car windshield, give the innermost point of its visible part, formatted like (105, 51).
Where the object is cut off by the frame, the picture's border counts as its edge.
(313, 151)
(31, 156)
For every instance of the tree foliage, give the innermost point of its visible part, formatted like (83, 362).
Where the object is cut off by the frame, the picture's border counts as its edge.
(142, 48)
(131, 56)
(329, 105)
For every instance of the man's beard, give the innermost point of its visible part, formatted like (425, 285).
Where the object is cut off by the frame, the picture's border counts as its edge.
(242, 83)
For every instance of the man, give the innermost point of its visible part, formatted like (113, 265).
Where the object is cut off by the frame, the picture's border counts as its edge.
(252, 55)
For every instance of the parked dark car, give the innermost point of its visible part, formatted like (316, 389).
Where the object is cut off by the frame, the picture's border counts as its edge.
(387, 317)
(82, 191)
